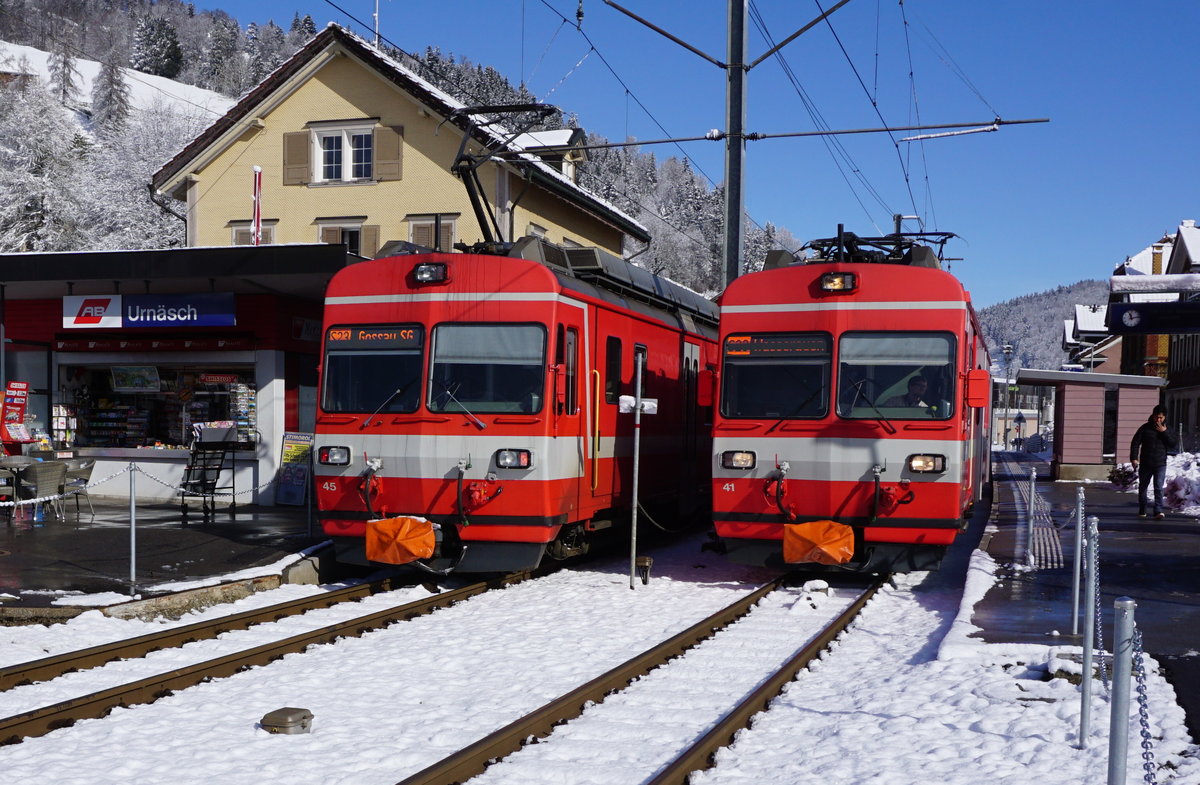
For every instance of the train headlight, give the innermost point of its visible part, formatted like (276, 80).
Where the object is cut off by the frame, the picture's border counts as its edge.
(430, 272)
(514, 459)
(927, 464)
(737, 459)
(839, 282)
(334, 456)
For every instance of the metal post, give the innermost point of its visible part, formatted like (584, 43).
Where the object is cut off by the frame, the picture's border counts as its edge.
(735, 141)
(133, 528)
(1029, 517)
(638, 359)
(1089, 634)
(1118, 726)
(1078, 561)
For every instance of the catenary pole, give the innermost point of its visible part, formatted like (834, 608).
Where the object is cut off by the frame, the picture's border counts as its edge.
(735, 139)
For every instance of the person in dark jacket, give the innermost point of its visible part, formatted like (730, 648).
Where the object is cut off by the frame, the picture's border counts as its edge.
(1148, 454)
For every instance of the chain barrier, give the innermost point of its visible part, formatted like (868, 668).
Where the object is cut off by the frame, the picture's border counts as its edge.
(132, 467)
(1143, 700)
(186, 492)
(1094, 535)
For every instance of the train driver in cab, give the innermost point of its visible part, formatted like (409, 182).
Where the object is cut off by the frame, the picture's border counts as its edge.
(915, 396)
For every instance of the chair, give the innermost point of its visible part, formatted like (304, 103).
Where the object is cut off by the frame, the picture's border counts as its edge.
(79, 474)
(43, 479)
(16, 461)
(8, 490)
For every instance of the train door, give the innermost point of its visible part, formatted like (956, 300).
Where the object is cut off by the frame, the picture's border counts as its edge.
(610, 366)
(568, 431)
(690, 442)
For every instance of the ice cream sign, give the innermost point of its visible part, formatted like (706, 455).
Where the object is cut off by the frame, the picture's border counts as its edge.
(148, 310)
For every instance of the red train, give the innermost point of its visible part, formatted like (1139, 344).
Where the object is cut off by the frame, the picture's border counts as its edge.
(853, 425)
(468, 415)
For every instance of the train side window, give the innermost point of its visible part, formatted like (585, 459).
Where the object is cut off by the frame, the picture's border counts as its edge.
(564, 357)
(572, 342)
(612, 369)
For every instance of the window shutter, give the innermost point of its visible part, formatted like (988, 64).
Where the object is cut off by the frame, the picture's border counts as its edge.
(388, 152)
(369, 240)
(422, 234)
(331, 234)
(268, 235)
(296, 150)
(243, 237)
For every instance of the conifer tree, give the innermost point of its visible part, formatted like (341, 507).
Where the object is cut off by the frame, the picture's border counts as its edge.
(110, 96)
(156, 48)
(63, 73)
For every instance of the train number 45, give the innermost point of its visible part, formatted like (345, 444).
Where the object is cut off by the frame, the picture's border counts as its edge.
(329, 486)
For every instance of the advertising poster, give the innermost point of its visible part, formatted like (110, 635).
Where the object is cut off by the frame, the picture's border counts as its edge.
(295, 468)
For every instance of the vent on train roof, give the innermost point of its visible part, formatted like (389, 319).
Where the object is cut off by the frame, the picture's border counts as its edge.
(615, 274)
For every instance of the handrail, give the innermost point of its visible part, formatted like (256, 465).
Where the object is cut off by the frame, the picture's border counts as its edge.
(596, 432)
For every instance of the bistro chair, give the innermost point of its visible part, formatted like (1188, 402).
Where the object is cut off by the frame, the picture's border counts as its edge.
(8, 491)
(79, 474)
(16, 461)
(46, 478)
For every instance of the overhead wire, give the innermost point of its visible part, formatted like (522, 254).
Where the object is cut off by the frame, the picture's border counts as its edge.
(874, 105)
(833, 146)
(912, 79)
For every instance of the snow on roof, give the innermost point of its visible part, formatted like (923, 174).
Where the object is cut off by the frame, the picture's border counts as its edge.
(145, 90)
(536, 139)
(1188, 236)
(1090, 319)
(1162, 284)
(1069, 338)
(496, 131)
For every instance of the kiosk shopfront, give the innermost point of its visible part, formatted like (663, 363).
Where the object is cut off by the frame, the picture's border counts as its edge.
(233, 338)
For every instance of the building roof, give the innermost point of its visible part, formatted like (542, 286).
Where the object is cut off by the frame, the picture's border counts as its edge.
(1089, 322)
(1036, 376)
(438, 101)
(292, 269)
(1142, 263)
(1185, 257)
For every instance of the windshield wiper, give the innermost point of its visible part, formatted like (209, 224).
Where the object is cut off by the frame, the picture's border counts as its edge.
(793, 412)
(480, 424)
(399, 391)
(887, 424)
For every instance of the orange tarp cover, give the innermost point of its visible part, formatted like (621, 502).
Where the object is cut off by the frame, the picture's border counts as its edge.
(822, 542)
(399, 540)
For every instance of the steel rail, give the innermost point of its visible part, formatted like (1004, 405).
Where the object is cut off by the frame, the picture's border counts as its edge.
(56, 665)
(41, 721)
(700, 754)
(473, 759)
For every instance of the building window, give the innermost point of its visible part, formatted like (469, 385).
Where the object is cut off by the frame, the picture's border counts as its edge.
(360, 239)
(346, 154)
(426, 230)
(355, 151)
(536, 230)
(242, 233)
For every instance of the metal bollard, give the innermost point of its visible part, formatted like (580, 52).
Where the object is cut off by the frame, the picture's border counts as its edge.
(132, 528)
(1031, 513)
(1078, 561)
(1118, 725)
(1089, 634)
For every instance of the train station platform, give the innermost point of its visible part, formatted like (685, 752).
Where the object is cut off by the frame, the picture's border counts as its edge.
(44, 563)
(1153, 562)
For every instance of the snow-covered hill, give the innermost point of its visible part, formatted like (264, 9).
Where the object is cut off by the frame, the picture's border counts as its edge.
(144, 90)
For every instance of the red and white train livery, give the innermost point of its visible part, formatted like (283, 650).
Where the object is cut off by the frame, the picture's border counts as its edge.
(852, 427)
(468, 415)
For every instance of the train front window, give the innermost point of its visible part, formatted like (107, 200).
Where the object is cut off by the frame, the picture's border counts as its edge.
(776, 376)
(896, 376)
(488, 368)
(371, 368)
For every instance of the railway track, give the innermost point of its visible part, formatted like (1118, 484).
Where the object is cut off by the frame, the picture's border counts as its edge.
(64, 714)
(477, 757)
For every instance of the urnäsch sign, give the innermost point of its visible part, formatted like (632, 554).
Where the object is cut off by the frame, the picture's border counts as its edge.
(148, 310)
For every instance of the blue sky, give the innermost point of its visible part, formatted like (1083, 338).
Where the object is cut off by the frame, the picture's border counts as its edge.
(1036, 206)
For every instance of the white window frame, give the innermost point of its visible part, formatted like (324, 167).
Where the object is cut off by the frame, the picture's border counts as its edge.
(346, 132)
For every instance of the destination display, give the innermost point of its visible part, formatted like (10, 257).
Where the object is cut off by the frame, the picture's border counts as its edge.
(777, 345)
(389, 336)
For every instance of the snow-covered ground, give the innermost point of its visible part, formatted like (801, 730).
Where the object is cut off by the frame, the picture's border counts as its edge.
(908, 696)
(145, 90)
